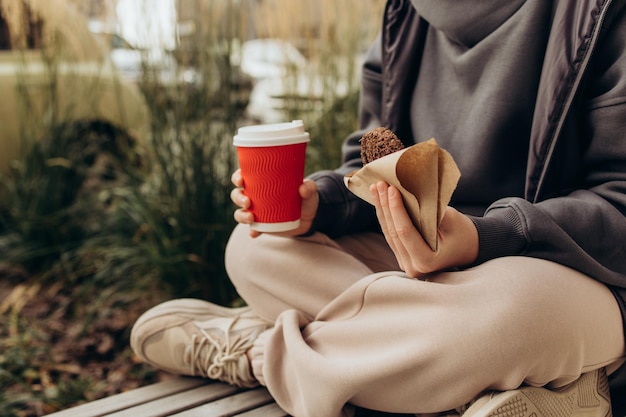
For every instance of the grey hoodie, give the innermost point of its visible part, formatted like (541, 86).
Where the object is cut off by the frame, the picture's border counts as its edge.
(563, 197)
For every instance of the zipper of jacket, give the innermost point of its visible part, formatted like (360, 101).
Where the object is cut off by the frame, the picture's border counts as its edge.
(570, 98)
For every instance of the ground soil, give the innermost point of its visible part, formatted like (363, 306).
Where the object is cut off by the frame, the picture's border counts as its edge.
(56, 352)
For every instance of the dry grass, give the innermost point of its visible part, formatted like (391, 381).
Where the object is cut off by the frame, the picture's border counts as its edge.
(325, 20)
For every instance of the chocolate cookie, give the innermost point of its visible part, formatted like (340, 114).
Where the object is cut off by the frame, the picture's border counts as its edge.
(377, 143)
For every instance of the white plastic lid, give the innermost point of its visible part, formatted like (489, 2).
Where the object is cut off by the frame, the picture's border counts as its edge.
(273, 134)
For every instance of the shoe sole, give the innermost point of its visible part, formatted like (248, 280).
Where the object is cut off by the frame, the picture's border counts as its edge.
(193, 307)
(584, 398)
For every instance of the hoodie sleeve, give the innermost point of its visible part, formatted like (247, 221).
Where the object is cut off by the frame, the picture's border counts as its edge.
(340, 211)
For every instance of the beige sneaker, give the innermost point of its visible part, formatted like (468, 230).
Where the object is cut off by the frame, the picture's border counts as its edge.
(588, 396)
(195, 337)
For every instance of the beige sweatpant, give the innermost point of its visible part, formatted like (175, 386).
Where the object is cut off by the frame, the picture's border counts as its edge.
(349, 329)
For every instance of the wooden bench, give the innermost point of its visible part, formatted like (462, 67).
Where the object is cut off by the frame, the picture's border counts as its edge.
(194, 397)
(182, 397)
(190, 397)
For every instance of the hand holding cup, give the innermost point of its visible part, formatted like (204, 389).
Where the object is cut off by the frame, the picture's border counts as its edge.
(270, 183)
(310, 203)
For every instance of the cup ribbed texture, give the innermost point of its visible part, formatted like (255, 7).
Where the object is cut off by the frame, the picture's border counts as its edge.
(271, 178)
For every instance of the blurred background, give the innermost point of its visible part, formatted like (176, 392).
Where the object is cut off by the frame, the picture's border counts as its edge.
(116, 125)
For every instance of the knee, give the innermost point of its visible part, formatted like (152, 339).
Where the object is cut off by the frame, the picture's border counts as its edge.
(256, 267)
(248, 260)
(240, 254)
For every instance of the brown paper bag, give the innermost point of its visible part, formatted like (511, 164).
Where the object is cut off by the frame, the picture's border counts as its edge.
(426, 176)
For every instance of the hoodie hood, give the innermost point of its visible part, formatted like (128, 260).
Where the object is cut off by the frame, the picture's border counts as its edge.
(466, 21)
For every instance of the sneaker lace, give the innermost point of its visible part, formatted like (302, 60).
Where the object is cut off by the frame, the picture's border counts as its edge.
(225, 360)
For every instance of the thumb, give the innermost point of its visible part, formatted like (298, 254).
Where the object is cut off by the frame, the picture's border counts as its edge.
(308, 189)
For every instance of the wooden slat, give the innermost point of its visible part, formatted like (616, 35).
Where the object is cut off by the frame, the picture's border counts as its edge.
(132, 398)
(230, 406)
(269, 410)
(179, 402)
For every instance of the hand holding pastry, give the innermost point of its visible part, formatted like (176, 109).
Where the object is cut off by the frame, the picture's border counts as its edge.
(424, 174)
(457, 235)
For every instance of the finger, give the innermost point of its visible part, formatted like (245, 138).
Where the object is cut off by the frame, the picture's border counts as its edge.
(236, 178)
(379, 209)
(246, 217)
(307, 189)
(397, 236)
(243, 216)
(412, 247)
(310, 204)
(400, 217)
(380, 202)
(239, 198)
(405, 229)
(382, 207)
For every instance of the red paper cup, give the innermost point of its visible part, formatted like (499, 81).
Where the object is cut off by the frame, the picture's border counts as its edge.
(271, 158)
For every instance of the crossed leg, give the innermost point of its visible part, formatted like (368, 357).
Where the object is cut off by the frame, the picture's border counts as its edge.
(347, 331)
